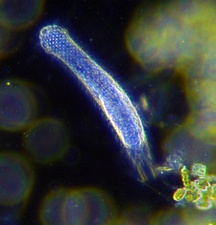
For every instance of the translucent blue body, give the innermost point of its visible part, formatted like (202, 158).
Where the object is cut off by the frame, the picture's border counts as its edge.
(106, 92)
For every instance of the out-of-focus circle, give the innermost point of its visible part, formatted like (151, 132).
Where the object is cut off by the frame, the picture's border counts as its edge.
(16, 14)
(77, 207)
(202, 120)
(203, 126)
(17, 105)
(167, 216)
(100, 206)
(175, 34)
(46, 140)
(132, 215)
(193, 216)
(51, 210)
(16, 178)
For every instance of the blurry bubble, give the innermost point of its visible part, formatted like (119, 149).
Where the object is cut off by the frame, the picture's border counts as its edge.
(127, 221)
(154, 38)
(100, 206)
(16, 178)
(83, 206)
(17, 105)
(174, 34)
(167, 216)
(202, 121)
(194, 216)
(16, 14)
(51, 211)
(46, 140)
(75, 209)
(203, 126)
(202, 95)
(182, 216)
(133, 215)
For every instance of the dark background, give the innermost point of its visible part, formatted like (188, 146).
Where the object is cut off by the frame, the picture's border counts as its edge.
(99, 28)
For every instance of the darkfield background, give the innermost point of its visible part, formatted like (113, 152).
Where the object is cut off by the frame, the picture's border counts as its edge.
(94, 158)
